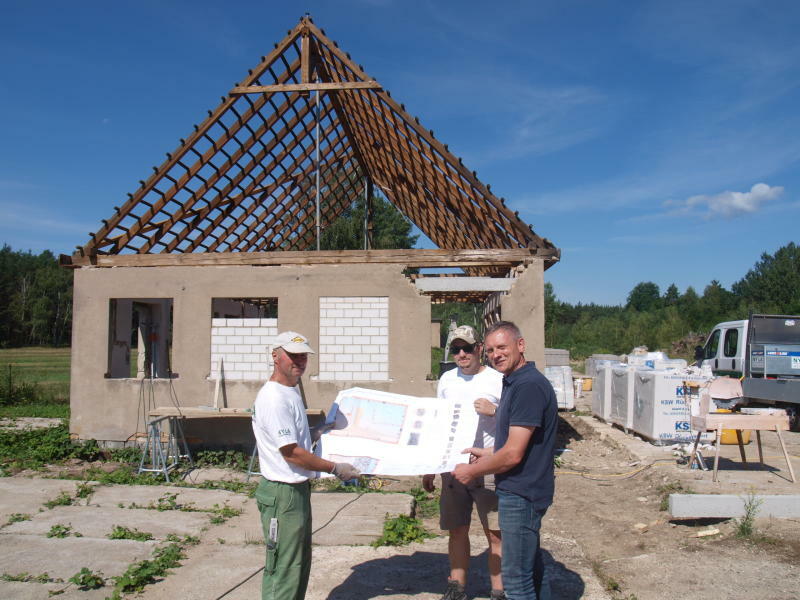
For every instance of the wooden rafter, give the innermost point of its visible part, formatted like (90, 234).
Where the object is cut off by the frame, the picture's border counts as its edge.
(243, 181)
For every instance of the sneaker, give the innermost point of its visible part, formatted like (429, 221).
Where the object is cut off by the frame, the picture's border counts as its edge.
(455, 591)
(497, 595)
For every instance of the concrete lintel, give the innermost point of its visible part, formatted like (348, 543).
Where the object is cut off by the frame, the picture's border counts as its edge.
(463, 284)
(699, 506)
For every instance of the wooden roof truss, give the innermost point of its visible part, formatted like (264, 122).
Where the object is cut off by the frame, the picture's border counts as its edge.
(306, 123)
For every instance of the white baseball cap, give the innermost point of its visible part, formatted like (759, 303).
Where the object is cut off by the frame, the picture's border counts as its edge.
(466, 333)
(293, 342)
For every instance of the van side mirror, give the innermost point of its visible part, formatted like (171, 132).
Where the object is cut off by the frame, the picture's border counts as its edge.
(698, 353)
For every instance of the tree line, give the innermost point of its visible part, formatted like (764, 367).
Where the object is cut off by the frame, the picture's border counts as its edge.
(37, 293)
(672, 321)
(37, 299)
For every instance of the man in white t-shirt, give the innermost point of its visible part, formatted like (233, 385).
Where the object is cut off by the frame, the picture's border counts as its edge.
(481, 386)
(287, 463)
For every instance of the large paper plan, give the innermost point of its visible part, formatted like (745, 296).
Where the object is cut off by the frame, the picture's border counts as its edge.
(391, 434)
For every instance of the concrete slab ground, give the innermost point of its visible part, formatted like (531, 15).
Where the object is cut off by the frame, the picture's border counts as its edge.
(145, 495)
(23, 495)
(63, 557)
(417, 571)
(230, 555)
(97, 522)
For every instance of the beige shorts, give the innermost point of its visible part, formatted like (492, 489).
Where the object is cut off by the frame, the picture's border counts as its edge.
(455, 504)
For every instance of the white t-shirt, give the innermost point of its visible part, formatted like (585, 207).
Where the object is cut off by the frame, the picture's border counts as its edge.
(279, 419)
(468, 388)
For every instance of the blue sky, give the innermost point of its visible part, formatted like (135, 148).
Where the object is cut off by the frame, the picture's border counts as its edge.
(650, 141)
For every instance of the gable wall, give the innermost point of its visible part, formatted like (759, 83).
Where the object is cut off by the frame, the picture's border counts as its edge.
(109, 409)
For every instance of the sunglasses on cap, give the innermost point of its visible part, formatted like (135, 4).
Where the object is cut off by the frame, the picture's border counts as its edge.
(468, 348)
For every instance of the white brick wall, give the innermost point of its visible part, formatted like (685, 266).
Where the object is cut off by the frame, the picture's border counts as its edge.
(243, 346)
(353, 339)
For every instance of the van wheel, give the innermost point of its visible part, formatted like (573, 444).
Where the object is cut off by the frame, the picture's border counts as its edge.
(794, 418)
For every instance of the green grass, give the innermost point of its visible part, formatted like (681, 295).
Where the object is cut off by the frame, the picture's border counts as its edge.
(437, 355)
(39, 378)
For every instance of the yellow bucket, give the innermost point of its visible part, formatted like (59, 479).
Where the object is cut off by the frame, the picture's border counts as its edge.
(729, 435)
(587, 384)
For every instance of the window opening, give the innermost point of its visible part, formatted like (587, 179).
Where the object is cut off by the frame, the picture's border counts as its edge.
(140, 338)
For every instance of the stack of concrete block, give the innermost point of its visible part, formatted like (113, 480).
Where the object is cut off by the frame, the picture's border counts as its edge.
(555, 357)
(561, 379)
(596, 361)
(353, 338)
(242, 347)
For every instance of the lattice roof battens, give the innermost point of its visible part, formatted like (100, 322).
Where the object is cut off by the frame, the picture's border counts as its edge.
(243, 181)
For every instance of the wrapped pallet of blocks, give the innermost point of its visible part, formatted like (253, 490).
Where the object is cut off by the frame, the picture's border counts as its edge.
(622, 394)
(662, 405)
(561, 379)
(601, 395)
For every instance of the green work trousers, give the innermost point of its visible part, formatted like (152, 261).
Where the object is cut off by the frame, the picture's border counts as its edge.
(288, 552)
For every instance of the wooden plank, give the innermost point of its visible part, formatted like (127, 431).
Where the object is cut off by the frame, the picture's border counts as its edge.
(323, 86)
(411, 258)
(200, 412)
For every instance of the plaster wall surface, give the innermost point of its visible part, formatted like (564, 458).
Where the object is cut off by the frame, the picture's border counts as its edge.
(113, 409)
(525, 307)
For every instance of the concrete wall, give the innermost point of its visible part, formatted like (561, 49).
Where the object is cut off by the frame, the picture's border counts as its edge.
(524, 305)
(112, 409)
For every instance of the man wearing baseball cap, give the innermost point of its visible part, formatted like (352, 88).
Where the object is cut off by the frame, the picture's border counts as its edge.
(481, 387)
(287, 463)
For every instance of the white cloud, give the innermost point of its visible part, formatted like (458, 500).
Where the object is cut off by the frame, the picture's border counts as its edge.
(731, 204)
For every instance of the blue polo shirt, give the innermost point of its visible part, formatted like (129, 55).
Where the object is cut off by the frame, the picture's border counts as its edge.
(528, 400)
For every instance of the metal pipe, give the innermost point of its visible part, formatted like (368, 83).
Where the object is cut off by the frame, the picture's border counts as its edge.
(316, 160)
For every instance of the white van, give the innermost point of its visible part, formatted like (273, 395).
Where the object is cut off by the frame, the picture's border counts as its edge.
(724, 351)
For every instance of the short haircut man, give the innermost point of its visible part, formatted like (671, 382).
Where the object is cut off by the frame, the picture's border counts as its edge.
(522, 460)
(480, 386)
(283, 439)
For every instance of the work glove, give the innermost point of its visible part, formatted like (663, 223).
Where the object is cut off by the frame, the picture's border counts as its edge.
(345, 471)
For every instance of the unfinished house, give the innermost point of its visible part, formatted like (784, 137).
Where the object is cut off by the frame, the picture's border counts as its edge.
(180, 293)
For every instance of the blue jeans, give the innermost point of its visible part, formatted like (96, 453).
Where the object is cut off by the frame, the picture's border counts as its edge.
(523, 565)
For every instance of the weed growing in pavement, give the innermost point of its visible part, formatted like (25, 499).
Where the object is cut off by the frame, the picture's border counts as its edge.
(239, 487)
(402, 530)
(26, 577)
(120, 532)
(63, 499)
(34, 448)
(609, 583)
(745, 526)
(145, 572)
(17, 517)
(426, 505)
(86, 579)
(62, 531)
(129, 454)
(227, 459)
(223, 513)
(665, 490)
(188, 540)
(84, 490)
(125, 475)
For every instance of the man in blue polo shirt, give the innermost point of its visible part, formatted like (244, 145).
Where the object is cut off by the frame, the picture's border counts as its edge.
(522, 460)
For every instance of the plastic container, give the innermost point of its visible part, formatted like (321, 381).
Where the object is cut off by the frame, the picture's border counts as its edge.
(728, 436)
(587, 384)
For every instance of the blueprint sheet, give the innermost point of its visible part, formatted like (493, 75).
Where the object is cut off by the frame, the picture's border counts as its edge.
(391, 434)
